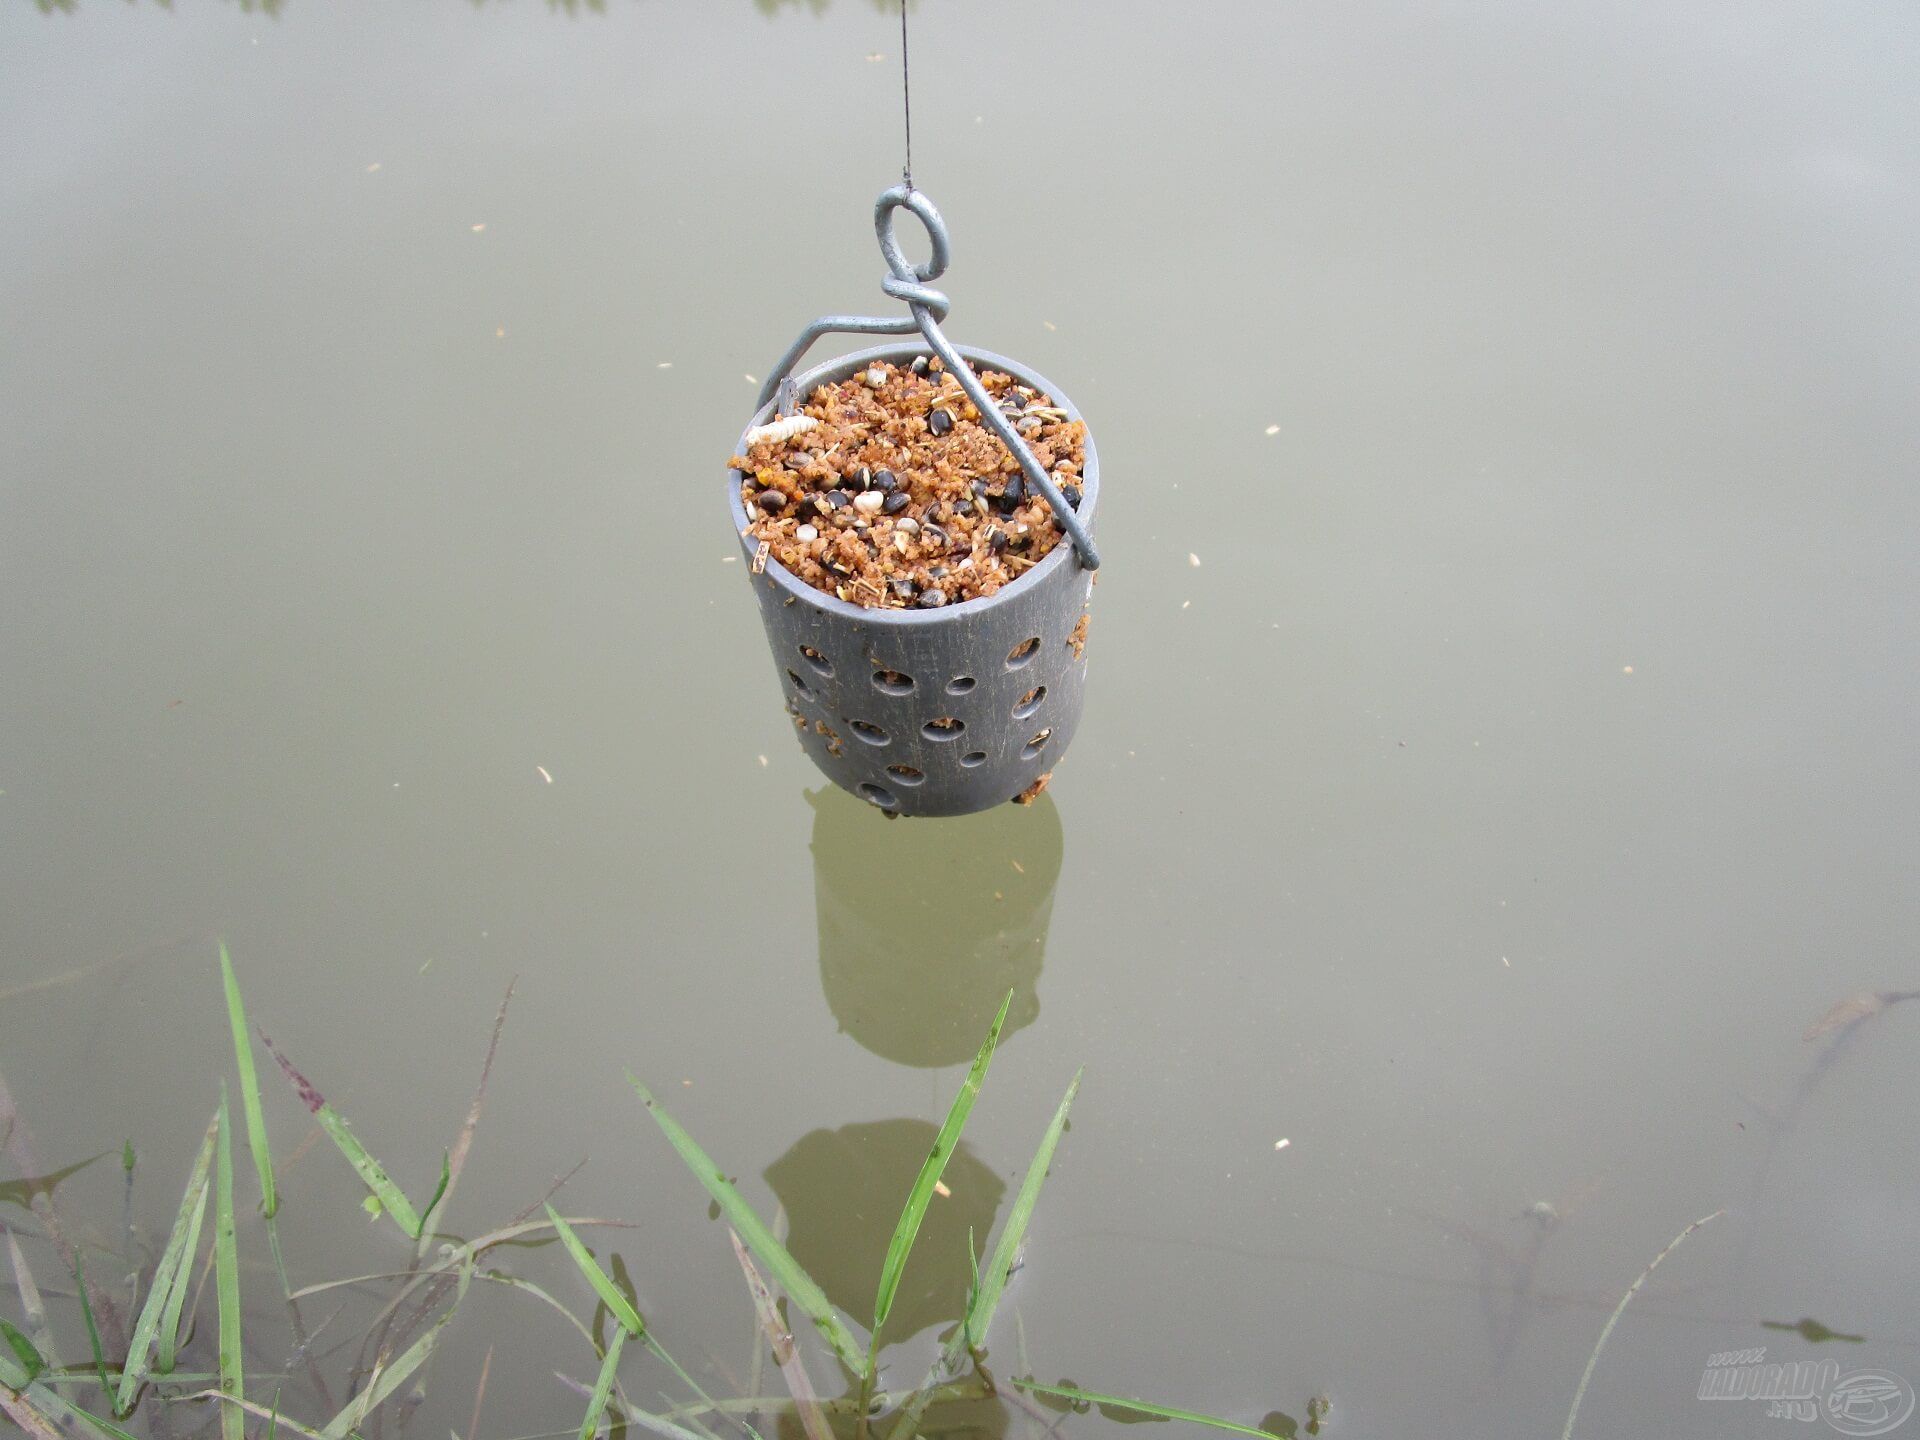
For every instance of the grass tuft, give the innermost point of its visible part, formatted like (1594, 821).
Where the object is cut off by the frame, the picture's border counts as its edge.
(169, 1277)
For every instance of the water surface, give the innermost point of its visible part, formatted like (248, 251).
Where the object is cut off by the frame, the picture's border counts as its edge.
(1528, 760)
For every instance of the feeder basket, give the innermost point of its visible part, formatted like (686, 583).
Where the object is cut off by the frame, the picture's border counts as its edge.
(938, 711)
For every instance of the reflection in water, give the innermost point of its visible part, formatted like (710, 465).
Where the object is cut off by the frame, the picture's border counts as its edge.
(842, 1191)
(915, 971)
(984, 1419)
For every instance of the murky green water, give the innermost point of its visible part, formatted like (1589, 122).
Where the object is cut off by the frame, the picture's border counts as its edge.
(1529, 760)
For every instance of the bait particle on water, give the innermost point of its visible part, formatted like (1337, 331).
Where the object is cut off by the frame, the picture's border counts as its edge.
(940, 1189)
(543, 774)
(1281, 1144)
(1193, 560)
(941, 421)
(478, 228)
(1273, 429)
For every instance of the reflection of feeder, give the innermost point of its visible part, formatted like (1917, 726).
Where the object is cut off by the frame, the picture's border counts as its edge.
(971, 1419)
(924, 929)
(842, 1190)
(941, 711)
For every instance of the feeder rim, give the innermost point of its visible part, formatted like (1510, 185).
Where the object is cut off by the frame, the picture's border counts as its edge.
(901, 616)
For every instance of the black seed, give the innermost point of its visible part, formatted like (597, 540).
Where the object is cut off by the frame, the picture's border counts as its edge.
(771, 501)
(808, 508)
(940, 422)
(931, 599)
(886, 479)
(862, 478)
(996, 539)
(963, 507)
(896, 502)
(836, 499)
(936, 572)
(799, 460)
(919, 366)
(903, 589)
(1071, 494)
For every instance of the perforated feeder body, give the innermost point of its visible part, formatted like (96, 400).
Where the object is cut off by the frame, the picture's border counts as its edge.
(942, 711)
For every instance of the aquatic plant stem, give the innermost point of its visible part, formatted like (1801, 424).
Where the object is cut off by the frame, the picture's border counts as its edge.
(1607, 1329)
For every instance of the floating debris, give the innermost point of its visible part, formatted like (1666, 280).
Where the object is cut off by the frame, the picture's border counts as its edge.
(1273, 429)
(1854, 1009)
(543, 774)
(1810, 1329)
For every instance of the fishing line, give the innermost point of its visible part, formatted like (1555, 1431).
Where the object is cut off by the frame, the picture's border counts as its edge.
(906, 95)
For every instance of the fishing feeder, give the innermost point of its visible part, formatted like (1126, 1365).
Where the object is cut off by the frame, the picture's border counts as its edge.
(930, 711)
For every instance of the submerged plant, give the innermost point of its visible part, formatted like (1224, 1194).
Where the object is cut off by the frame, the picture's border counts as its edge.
(138, 1381)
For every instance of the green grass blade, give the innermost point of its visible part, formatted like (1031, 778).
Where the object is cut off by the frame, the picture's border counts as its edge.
(799, 1285)
(166, 1275)
(603, 1387)
(31, 1361)
(921, 1195)
(226, 1261)
(602, 1283)
(1109, 1403)
(379, 1184)
(112, 1432)
(86, 1311)
(385, 1381)
(249, 1086)
(170, 1331)
(994, 1282)
(428, 1211)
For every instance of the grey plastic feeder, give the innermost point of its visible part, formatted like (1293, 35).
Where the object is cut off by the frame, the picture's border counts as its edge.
(944, 711)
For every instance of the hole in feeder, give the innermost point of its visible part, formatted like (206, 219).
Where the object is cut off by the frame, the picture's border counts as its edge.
(960, 684)
(798, 683)
(1037, 744)
(905, 774)
(878, 794)
(1023, 652)
(821, 663)
(973, 758)
(1029, 702)
(892, 682)
(943, 727)
(869, 732)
